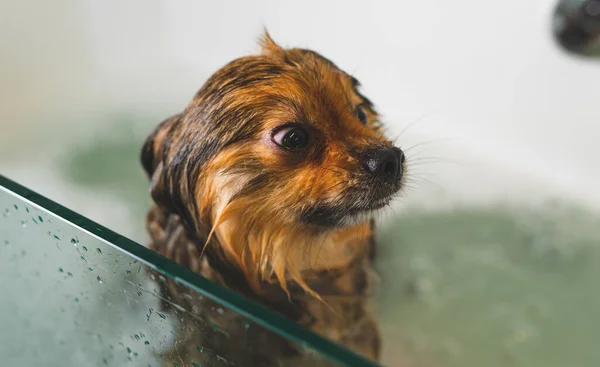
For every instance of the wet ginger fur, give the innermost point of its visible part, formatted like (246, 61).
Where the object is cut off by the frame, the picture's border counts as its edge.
(267, 183)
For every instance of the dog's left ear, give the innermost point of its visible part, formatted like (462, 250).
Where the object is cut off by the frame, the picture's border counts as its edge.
(268, 46)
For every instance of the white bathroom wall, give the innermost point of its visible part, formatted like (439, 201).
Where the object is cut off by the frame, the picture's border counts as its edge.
(491, 80)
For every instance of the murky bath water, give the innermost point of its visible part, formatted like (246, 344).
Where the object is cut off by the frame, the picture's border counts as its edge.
(493, 287)
(471, 284)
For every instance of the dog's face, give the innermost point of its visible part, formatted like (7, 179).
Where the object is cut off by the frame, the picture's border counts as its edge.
(278, 143)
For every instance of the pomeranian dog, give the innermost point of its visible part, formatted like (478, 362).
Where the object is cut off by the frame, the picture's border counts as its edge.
(267, 183)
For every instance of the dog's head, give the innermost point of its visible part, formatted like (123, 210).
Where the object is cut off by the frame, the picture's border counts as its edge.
(276, 150)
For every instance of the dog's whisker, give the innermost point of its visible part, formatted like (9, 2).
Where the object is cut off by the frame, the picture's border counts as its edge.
(428, 142)
(413, 123)
(426, 180)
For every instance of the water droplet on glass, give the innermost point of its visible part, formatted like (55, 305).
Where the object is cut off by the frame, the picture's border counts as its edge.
(222, 359)
(99, 279)
(84, 248)
(23, 224)
(76, 299)
(137, 337)
(175, 364)
(16, 207)
(162, 316)
(195, 364)
(60, 270)
(27, 209)
(41, 219)
(147, 342)
(127, 272)
(200, 349)
(140, 294)
(99, 251)
(74, 241)
(128, 350)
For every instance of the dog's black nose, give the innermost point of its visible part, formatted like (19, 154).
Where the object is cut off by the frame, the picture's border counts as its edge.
(385, 164)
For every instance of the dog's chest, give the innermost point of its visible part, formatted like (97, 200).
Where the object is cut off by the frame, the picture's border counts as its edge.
(342, 317)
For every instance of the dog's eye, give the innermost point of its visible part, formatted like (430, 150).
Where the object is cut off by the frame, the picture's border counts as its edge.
(361, 114)
(291, 137)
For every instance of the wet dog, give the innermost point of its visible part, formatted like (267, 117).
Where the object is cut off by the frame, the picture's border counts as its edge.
(267, 183)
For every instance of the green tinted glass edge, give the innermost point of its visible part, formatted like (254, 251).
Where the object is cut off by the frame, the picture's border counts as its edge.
(253, 311)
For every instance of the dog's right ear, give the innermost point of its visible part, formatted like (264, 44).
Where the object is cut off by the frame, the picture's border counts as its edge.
(156, 145)
(154, 157)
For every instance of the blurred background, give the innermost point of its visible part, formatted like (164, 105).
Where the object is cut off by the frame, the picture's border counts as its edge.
(492, 255)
